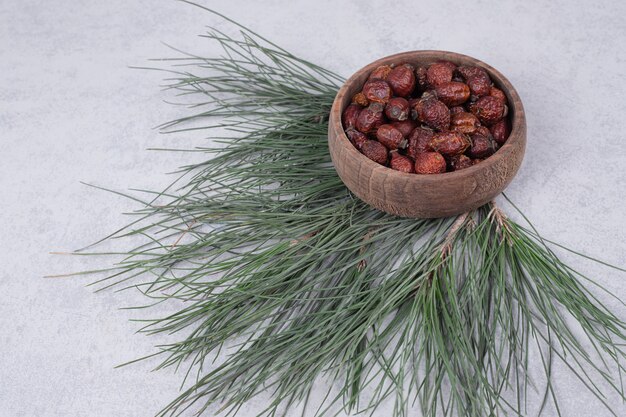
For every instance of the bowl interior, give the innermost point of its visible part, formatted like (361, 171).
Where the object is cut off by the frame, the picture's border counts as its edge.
(418, 58)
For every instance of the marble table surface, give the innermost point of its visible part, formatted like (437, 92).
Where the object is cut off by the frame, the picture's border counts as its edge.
(72, 110)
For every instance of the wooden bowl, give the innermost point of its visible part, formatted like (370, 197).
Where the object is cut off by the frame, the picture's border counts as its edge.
(426, 196)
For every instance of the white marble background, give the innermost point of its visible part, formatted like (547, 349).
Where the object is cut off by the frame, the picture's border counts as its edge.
(71, 110)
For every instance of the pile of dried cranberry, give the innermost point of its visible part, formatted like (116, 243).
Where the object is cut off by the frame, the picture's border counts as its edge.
(427, 120)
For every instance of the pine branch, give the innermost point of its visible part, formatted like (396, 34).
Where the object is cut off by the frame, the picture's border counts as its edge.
(278, 265)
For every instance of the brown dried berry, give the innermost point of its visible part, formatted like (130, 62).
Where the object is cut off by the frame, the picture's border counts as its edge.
(380, 73)
(375, 151)
(421, 78)
(448, 64)
(370, 118)
(482, 130)
(397, 109)
(477, 79)
(468, 72)
(433, 113)
(430, 163)
(405, 127)
(449, 143)
(456, 109)
(497, 93)
(419, 141)
(489, 110)
(501, 131)
(350, 114)
(464, 123)
(357, 138)
(401, 163)
(479, 86)
(459, 162)
(452, 93)
(428, 94)
(402, 80)
(438, 73)
(477, 161)
(482, 147)
(377, 90)
(391, 137)
(360, 99)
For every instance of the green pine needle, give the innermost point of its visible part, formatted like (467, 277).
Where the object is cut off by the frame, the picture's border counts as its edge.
(267, 257)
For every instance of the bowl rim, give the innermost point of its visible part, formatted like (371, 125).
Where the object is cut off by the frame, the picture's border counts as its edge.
(518, 120)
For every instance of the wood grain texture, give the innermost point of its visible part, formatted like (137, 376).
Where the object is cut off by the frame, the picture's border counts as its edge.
(426, 196)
